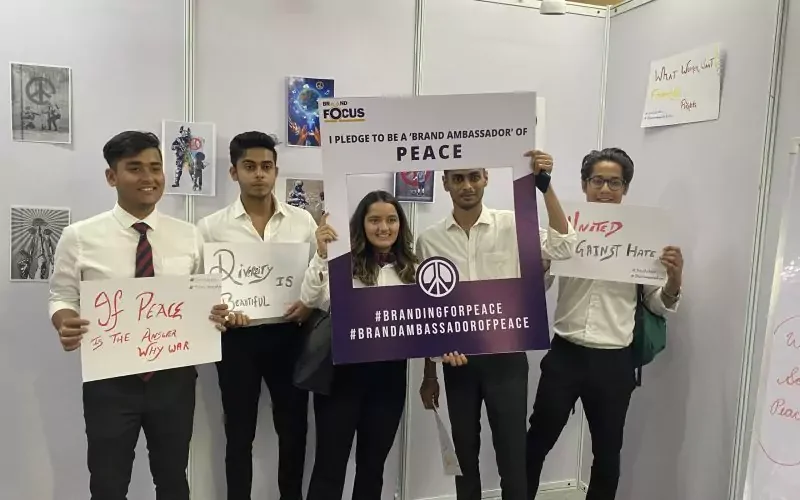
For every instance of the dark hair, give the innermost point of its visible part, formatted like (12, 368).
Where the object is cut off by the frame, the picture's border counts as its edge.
(365, 265)
(615, 155)
(129, 144)
(249, 140)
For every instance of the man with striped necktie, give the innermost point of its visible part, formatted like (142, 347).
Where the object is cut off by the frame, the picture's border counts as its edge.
(131, 240)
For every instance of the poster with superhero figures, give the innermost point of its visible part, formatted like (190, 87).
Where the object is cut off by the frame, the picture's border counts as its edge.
(189, 151)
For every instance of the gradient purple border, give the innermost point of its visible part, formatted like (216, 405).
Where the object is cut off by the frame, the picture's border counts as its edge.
(355, 307)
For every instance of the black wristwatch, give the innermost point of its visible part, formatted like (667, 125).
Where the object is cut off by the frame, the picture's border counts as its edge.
(543, 182)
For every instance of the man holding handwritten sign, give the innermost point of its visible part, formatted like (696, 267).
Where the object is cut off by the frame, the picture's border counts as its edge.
(262, 248)
(591, 356)
(132, 240)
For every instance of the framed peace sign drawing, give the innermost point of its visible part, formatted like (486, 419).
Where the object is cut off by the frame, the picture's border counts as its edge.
(41, 103)
(428, 301)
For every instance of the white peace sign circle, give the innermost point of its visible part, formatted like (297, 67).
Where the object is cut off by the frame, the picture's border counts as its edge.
(437, 277)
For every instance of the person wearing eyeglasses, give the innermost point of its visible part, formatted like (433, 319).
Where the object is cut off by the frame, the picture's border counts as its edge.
(590, 357)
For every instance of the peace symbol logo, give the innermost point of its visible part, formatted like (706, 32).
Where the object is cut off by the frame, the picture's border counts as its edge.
(437, 276)
(320, 85)
(196, 143)
(39, 90)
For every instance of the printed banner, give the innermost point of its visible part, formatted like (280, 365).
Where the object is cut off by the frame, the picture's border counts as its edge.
(684, 88)
(259, 279)
(617, 243)
(140, 325)
(440, 312)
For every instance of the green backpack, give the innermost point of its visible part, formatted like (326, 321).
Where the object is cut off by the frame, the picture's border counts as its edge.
(649, 334)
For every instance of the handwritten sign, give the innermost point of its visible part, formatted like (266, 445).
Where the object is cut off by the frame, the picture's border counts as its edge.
(140, 325)
(782, 403)
(684, 88)
(616, 243)
(259, 279)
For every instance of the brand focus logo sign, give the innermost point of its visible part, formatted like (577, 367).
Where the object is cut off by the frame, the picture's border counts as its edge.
(437, 276)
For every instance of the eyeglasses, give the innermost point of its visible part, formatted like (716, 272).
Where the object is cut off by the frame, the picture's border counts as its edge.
(614, 184)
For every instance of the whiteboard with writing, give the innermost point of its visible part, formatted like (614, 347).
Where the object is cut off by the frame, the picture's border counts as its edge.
(140, 325)
(258, 279)
(617, 242)
(684, 88)
(775, 453)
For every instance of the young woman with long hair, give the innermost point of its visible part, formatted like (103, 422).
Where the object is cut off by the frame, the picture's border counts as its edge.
(366, 399)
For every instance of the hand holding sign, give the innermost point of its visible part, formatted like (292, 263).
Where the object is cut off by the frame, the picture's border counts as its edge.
(540, 161)
(672, 258)
(71, 332)
(325, 234)
(454, 359)
(219, 315)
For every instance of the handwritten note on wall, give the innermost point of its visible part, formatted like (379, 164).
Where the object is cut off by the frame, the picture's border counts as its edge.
(140, 325)
(259, 279)
(616, 243)
(684, 88)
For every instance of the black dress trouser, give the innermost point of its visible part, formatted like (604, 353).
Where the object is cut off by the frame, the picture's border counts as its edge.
(501, 381)
(116, 409)
(250, 355)
(366, 402)
(604, 380)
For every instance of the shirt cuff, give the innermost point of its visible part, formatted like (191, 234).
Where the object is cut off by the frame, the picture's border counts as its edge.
(61, 305)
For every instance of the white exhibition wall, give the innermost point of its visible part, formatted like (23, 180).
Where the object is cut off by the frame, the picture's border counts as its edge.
(127, 63)
(128, 72)
(681, 427)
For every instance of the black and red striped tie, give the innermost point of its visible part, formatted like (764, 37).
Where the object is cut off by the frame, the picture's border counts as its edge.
(144, 265)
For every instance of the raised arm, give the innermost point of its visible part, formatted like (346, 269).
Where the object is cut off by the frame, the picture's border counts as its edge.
(315, 291)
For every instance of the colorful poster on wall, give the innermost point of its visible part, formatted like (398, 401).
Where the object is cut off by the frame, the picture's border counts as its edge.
(684, 88)
(303, 95)
(617, 243)
(308, 194)
(35, 232)
(415, 186)
(41, 103)
(441, 310)
(140, 325)
(189, 157)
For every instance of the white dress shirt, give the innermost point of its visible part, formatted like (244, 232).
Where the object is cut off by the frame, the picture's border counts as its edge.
(490, 250)
(600, 314)
(287, 225)
(316, 281)
(104, 247)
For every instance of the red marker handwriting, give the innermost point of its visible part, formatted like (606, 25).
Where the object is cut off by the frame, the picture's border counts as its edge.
(605, 226)
(180, 346)
(779, 408)
(112, 309)
(97, 343)
(120, 338)
(791, 341)
(150, 336)
(148, 309)
(151, 352)
(791, 379)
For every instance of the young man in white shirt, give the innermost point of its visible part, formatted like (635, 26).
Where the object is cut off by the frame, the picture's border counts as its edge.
(131, 240)
(482, 243)
(591, 356)
(266, 349)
